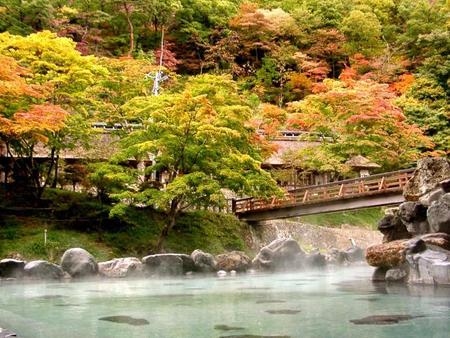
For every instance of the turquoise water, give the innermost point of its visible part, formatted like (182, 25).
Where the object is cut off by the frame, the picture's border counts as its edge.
(312, 304)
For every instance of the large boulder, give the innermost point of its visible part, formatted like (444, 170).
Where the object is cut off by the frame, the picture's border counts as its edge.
(438, 214)
(169, 264)
(429, 267)
(43, 270)
(387, 255)
(414, 216)
(392, 227)
(11, 268)
(281, 254)
(78, 263)
(234, 260)
(121, 267)
(345, 257)
(312, 260)
(429, 174)
(393, 254)
(203, 261)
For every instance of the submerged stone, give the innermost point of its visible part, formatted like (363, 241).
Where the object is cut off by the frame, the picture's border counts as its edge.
(283, 312)
(126, 320)
(223, 327)
(7, 334)
(382, 319)
(49, 297)
(253, 336)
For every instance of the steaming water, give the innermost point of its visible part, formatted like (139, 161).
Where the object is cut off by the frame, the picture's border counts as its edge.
(327, 301)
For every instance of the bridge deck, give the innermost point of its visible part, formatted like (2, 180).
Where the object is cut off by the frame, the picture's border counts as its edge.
(375, 190)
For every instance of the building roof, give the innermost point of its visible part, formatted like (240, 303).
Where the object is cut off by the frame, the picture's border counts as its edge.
(286, 146)
(360, 162)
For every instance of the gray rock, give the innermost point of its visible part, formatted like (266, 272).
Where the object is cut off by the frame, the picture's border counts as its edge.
(167, 264)
(379, 274)
(43, 270)
(281, 254)
(337, 257)
(429, 267)
(204, 262)
(355, 254)
(396, 275)
(445, 185)
(78, 263)
(428, 175)
(392, 228)
(438, 215)
(11, 268)
(7, 334)
(234, 260)
(121, 267)
(315, 260)
(431, 196)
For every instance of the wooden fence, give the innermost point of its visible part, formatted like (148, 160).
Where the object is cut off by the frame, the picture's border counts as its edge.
(353, 188)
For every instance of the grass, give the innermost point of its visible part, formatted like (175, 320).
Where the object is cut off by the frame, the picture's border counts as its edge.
(135, 234)
(25, 236)
(364, 218)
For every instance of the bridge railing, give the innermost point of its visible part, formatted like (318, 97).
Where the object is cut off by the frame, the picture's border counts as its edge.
(352, 188)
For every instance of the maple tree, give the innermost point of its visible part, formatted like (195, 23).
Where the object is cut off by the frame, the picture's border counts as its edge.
(47, 77)
(358, 118)
(202, 143)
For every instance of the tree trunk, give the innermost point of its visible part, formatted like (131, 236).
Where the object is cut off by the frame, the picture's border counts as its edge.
(55, 178)
(171, 219)
(130, 29)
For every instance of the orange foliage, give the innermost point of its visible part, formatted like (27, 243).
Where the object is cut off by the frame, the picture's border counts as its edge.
(404, 82)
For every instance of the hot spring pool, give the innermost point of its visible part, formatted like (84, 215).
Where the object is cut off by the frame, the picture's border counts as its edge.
(306, 304)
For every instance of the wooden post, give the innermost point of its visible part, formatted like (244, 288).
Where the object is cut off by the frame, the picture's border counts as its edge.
(341, 191)
(381, 185)
(233, 205)
(305, 196)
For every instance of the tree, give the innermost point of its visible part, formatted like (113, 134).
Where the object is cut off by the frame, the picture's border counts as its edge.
(25, 122)
(363, 32)
(359, 118)
(200, 141)
(55, 114)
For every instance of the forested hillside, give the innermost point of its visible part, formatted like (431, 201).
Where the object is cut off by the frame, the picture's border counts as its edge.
(364, 74)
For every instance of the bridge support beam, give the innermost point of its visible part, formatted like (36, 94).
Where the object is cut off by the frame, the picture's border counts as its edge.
(342, 204)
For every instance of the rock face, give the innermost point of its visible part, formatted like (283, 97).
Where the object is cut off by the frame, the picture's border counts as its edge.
(392, 227)
(424, 259)
(78, 262)
(204, 262)
(11, 268)
(414, 216)
(429, 267)
(234, 260)
(121, 267)
(429, 174)
(439, 214)
(281, 254)
(43, 270)
(167, 264)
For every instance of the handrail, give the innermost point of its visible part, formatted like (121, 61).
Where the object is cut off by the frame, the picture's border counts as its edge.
(351, 188)
(358, 179)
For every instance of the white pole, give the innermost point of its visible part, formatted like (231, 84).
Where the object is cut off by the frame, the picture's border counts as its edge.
(45, 237)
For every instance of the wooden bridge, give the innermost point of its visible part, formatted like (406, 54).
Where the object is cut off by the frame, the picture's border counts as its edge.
(371, 191)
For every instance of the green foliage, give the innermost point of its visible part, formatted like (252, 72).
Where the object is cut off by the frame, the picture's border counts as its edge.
(364, 218)
(202, 144)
